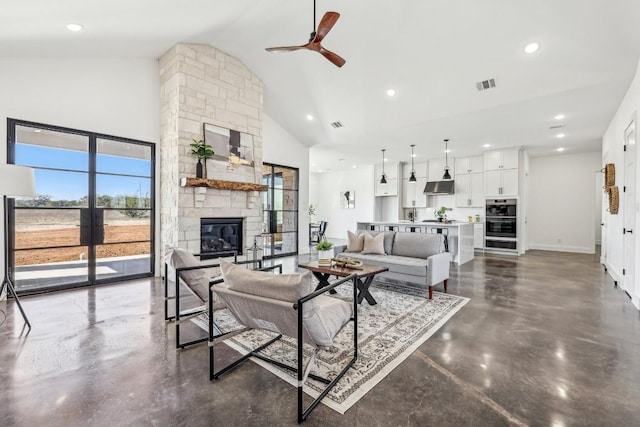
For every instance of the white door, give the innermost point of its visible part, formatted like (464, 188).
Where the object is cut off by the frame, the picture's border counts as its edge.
(476, 184)
(629, 195)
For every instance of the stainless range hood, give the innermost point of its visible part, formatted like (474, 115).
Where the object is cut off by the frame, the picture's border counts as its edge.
(439, 187)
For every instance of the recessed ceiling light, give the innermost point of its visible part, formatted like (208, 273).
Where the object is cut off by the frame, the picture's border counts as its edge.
(74, 27)
(391, 92)
(313, 165)
(559, 117)
(560, 135)
(487, 145)
(560, 149)
(532, 47)
(354, 166)
(309, 117)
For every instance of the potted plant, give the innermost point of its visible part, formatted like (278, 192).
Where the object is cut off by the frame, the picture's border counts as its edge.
(325, 249)
(201, 151)
(441, 213)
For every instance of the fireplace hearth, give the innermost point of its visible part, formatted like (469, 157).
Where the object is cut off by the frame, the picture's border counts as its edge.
(219, 236)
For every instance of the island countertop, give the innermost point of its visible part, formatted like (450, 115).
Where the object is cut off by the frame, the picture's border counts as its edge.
(420, 223)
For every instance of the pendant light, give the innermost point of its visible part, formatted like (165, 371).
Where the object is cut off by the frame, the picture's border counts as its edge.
(412, 178)
(383, 180)
(446, 175)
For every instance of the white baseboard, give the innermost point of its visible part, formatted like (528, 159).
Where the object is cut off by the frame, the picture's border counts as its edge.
(560, 248)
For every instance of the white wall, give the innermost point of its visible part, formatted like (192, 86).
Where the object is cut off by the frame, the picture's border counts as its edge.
(561, 206)
(612, 152)
(280, 148)
(328, 189)
(112, 96)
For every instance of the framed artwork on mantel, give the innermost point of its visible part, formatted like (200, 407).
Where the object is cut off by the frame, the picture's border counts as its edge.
(229, 145)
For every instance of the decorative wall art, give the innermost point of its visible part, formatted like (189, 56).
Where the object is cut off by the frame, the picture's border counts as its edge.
(348, 199)
(230, 146)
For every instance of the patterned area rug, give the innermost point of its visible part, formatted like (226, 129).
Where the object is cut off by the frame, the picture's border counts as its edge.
(388, 333)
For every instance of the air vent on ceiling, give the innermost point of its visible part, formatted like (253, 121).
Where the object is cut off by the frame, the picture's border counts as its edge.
(555, 127)
(336, 125)
(485, 84)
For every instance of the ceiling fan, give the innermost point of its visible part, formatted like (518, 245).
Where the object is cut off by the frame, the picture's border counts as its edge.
(326, 23)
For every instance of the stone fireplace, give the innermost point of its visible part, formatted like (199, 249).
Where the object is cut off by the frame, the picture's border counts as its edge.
(201, 84)
(220, 235)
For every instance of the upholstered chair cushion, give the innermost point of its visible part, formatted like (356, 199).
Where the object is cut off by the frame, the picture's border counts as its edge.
(284, 287)
(355, 242)
(323, 316)
(373, 244)
(196, 280)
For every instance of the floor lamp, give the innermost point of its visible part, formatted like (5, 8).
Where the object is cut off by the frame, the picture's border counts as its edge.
(15, 181)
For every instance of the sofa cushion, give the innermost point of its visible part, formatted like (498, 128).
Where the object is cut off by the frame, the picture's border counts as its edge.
(284, 287)
(395, 263)
(356, 242)
(373, 244)
(417, 245)
(388, 238)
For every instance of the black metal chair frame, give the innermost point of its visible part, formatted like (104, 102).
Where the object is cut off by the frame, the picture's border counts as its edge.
(303, 413)
(182, 316)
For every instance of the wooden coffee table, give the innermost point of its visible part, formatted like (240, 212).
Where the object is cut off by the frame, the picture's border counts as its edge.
(363, 279)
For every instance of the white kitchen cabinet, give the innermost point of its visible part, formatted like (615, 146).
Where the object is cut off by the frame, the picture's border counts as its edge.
(469, 190)
(413, 193)
(436, 169)
(465, 165)
(501, 159)
(391, 187)
(478, 235)
(501, 183)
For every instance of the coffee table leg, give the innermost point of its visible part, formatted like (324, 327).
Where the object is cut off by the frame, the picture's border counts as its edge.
(363, 288)
(323, 280)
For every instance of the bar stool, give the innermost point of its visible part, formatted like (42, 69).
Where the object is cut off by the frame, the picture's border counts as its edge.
(445, 234)
(392, 228)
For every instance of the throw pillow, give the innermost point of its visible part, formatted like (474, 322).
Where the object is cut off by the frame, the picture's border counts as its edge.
(283, 287)
(373, 245)
(355, 243)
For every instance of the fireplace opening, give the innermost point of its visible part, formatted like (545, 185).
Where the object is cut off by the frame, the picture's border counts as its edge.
(219, 235)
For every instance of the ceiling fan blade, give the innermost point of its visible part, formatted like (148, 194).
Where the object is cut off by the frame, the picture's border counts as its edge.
(286, 48)
(326, 24)
(336, 59)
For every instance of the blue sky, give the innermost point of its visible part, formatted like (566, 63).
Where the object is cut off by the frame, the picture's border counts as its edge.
(63, 185)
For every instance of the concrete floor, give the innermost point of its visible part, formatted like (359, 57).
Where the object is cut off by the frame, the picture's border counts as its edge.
(546, 340)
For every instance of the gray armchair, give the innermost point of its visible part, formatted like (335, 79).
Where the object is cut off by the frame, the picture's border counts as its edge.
(287, 305)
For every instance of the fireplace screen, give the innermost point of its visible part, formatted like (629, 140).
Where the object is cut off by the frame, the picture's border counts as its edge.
(219, 236)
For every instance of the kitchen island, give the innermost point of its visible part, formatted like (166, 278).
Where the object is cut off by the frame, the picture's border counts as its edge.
(459, 234)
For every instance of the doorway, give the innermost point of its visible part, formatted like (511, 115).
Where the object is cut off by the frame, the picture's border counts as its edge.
(280, 210)
(92, 219)
(629, 245)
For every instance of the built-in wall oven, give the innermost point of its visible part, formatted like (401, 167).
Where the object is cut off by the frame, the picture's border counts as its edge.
(501, 218)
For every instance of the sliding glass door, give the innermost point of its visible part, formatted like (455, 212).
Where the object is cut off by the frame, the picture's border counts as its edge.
(92, 218)
(280, 210)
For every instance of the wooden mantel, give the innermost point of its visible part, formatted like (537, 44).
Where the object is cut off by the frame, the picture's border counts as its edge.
(221, 185)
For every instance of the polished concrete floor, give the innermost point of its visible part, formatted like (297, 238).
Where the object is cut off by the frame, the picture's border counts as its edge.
(546, 340)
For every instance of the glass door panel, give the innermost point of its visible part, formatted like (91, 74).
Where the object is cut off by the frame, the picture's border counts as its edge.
(82, 226)
(280, 210)
(124, 192)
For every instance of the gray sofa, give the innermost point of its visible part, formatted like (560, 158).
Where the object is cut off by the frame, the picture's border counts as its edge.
(415, 258)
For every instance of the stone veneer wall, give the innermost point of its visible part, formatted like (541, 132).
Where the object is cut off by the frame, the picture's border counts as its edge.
(201, 84)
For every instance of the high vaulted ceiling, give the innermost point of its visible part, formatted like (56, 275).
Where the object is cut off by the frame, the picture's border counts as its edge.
(431, 52)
